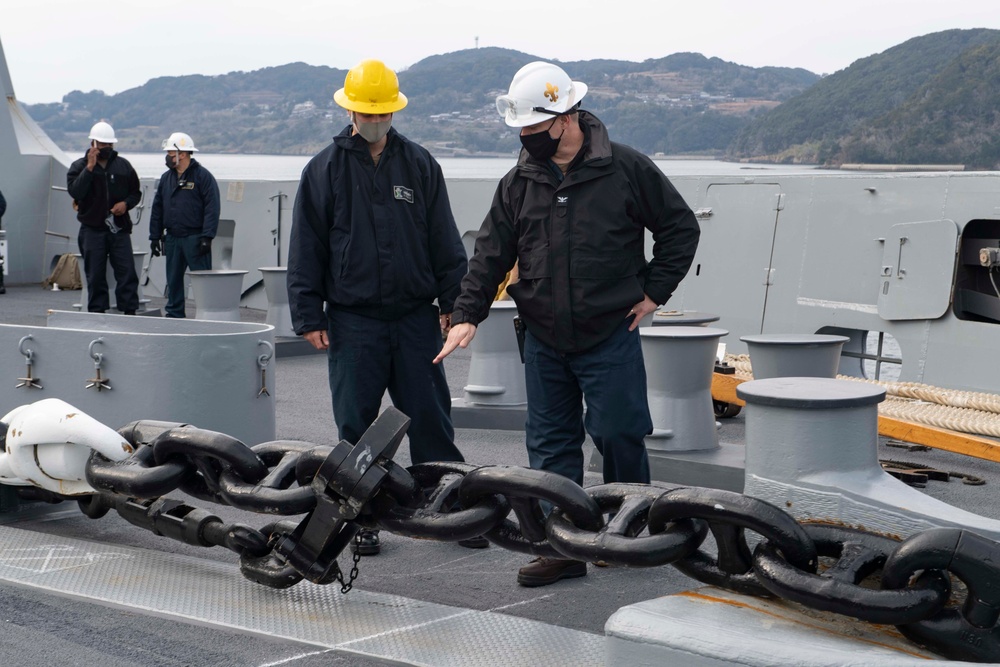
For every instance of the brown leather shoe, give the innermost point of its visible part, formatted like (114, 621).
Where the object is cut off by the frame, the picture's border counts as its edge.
(544, 571)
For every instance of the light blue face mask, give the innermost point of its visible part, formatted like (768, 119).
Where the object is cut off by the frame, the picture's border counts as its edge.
(372, 132)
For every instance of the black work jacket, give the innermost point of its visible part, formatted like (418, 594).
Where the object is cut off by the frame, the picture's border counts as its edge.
(95, 192)
(375, 240)
(579, 242)
(187, 206)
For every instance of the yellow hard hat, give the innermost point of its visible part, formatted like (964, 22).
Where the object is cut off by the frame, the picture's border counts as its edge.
(371, 87)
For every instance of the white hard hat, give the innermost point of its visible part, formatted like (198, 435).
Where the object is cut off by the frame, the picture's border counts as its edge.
(178, 141)
(103, 132)
(539, 91)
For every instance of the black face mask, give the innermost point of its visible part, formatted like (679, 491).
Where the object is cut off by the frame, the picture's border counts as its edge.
(541, 145)
(170, 162)
(104, 153)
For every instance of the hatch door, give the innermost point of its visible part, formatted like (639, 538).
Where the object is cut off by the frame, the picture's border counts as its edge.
(918, 268)
(732, 268)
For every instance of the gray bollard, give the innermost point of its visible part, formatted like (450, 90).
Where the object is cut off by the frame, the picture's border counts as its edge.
(496, 376)
(794, 355)
(679, 362)
(680, 318)
(279, 314)
(217, 294)
(495, 395)
(684, 447)
(812, 449)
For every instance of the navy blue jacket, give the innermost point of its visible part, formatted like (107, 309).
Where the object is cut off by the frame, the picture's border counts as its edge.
(186, 207)
(95, 192)
(378, 241)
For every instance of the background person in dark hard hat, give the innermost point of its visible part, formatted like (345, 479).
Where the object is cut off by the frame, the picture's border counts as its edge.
(573, 214)
(184, 219)
(105, 188)
(373, 245)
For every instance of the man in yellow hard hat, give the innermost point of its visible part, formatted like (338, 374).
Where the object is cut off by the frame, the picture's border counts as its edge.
(373, 246)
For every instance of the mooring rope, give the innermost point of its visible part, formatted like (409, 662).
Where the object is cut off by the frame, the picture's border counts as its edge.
(972, 412)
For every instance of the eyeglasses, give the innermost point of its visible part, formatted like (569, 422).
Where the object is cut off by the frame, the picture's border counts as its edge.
(509, 107)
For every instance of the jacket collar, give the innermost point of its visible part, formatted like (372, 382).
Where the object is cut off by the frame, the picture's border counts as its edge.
(596, 146)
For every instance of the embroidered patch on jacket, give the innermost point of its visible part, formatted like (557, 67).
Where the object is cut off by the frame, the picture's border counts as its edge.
(406, 194)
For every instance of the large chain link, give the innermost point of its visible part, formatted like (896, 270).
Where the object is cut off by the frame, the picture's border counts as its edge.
(343, 488)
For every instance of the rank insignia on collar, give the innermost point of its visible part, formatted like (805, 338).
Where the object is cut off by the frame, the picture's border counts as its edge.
(405, 194)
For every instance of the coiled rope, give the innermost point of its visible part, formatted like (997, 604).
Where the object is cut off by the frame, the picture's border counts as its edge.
(972, 412)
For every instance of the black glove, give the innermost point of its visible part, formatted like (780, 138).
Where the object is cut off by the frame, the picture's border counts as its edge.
(156, 247)
(204, 245)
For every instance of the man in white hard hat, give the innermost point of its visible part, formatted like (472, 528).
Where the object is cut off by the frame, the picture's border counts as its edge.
(573, 214)
(373, 246)
(184, 218)
(105, 187)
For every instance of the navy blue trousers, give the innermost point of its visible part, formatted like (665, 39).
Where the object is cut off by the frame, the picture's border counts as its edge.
(368, 356)
(98, 247)
(182, 254)
(611, 378)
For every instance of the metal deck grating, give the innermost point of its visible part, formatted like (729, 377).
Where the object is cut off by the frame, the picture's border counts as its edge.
(381, 626)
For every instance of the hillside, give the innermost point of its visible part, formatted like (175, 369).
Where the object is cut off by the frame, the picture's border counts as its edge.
(874, 110)
(681, 103)
(931, 99)
(952, 119)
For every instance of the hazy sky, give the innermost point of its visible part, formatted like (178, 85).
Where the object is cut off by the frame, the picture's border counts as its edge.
(56, 46)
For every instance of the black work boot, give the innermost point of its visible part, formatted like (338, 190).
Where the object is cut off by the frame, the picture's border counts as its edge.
(478, 542)
(544, 571)
(367, 543)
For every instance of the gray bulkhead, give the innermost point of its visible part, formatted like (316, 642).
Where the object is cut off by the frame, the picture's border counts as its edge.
(855, 255)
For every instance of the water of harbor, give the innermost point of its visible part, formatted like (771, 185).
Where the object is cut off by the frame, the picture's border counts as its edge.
(289, 167)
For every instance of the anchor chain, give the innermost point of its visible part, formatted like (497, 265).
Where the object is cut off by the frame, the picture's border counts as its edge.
(344, 488)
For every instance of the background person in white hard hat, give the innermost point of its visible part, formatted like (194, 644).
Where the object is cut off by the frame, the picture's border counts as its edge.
(184, 218)
(105, 187)
(573, 213)
(373, 245)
